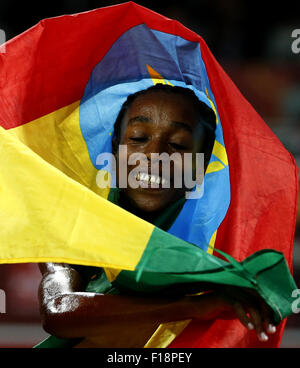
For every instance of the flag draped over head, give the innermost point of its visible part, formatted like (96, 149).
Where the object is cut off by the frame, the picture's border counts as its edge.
(63, 83)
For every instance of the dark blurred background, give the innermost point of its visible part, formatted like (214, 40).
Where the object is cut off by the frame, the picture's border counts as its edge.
(253, 44)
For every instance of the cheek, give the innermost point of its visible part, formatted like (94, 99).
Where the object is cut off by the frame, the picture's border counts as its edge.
(122, 156)
(125, 156)
(193, 166)
(131, 156)
(187, 163)
(121, 162)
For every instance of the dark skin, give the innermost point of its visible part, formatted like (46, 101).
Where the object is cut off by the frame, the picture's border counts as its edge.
(156, 122)
(159, 127)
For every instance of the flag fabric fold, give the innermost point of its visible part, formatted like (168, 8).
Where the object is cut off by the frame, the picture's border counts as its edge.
(62, 84)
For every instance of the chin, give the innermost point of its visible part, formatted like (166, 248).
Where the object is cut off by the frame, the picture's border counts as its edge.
(149, 203)
(148, 206)
(151, 209)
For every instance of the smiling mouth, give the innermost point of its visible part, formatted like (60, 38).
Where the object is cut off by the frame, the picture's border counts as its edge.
(152, 180)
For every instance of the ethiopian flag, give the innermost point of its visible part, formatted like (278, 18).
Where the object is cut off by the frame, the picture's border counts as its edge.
(63, 83)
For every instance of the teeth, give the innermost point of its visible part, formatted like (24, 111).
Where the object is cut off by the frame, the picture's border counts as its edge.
(144, 176)
(155, 179)
(150, 178)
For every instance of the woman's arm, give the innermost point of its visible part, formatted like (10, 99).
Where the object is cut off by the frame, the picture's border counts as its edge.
(68, 311)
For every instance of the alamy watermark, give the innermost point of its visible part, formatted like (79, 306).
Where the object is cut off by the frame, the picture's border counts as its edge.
(296, 43)
(160, 171)
(2, 41)
(2, 301)
(296, 302)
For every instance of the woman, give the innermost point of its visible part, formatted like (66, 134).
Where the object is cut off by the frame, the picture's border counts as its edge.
(161, 119)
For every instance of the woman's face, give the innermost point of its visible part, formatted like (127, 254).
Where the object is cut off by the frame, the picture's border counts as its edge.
(158, 122)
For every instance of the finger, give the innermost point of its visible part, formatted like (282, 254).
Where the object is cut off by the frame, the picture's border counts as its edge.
(241, 314)
(269, 327)
(258, 324)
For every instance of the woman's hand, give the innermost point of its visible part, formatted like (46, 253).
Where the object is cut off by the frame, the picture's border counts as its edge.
(247, 306)
(68, 311)
(254, 314)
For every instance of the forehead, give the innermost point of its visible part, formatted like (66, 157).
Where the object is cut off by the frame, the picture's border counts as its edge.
(163, 100)
(164, 104)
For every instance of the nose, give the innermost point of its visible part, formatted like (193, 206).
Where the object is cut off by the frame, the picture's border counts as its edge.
(155, 145)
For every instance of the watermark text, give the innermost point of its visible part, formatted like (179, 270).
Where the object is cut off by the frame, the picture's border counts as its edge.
(2, 41)
(2, 301)
(152, 171)
(296, 302)
(296, 43)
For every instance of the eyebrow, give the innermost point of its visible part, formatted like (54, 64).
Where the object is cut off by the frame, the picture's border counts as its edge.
(182, 125)
(139, 119)
(145, 119)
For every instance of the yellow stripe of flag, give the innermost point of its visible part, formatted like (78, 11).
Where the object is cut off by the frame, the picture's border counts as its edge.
(212, 105)
(220, 152)
(214, 166)
(49, 217)
(57, 138)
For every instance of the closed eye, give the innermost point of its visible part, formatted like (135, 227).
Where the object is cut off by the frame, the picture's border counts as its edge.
(138, 139)
(178, 147)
